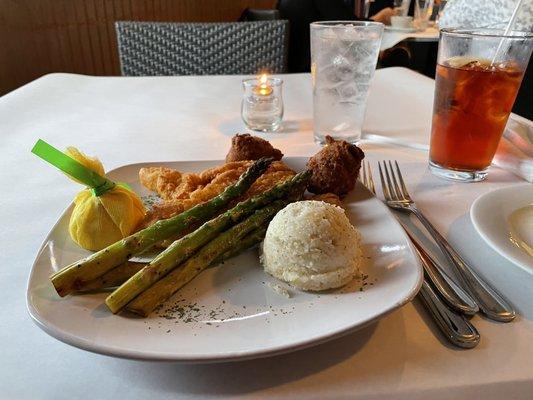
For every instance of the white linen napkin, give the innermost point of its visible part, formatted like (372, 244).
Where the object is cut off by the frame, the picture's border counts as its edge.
(515, 151)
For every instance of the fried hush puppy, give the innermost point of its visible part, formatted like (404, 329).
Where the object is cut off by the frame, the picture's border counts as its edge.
(247, 147)
(335, 168)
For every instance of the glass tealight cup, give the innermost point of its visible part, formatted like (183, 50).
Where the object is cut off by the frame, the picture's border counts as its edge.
(262, 104)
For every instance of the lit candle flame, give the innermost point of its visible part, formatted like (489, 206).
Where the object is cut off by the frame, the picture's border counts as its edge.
(263, 88)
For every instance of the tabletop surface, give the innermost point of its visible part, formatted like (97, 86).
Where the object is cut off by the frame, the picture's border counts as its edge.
(128, 120)
(392, 37)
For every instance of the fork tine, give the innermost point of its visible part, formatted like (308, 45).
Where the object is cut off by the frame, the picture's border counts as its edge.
(370, 179)
(362, 175)
(397, 188)
(384, 187)
(402, 183)
(392, 190)
(366, 177)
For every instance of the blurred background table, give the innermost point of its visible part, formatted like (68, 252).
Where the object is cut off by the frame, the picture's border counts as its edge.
(393, 37)
(78, 36)
(128, 120)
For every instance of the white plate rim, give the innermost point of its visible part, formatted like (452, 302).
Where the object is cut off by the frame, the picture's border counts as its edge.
(476, 218)
(113, 351)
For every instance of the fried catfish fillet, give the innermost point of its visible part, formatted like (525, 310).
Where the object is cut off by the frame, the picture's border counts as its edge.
(181, 191)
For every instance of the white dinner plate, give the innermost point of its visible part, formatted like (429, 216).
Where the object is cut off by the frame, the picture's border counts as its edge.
(490, 217)
(230, 311)
(400, 29)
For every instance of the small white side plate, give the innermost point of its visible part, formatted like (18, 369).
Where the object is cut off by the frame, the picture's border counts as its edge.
(229, 312)
(490, 213)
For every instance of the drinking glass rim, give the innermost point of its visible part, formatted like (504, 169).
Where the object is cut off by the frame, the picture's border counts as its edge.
(487, 32)
(271, 80)
(341, 23)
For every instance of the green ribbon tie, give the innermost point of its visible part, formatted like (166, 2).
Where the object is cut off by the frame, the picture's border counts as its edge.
(97, 183)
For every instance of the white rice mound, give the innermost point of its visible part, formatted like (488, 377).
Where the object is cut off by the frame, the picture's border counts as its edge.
(312, 246)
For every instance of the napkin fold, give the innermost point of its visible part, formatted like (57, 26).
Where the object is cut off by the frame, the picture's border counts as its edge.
(515, 151)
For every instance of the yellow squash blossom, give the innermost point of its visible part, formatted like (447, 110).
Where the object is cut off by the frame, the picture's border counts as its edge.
(98, 221)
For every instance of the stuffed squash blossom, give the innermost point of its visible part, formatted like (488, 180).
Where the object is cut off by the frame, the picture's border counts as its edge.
(99, 220)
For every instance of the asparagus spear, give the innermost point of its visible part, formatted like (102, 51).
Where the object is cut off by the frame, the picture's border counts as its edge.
(117, 276)
(123, 272)
(249, 241)
(72, 277)
(182, 249)
(160, 291)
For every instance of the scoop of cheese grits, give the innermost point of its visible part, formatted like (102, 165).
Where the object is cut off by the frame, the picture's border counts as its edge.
(312, 246)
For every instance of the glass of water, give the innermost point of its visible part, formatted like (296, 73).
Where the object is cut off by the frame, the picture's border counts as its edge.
(423, 12)
(401, 7)
(343, 60)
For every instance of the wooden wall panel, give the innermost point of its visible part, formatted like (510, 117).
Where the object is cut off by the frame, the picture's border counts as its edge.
(42, 36)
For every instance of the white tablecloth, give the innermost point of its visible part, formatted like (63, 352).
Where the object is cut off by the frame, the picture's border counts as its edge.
(126, 120)
(392, 38)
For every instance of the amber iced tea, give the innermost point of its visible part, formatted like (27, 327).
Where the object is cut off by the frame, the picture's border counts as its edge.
(478, 76)
(472, 104)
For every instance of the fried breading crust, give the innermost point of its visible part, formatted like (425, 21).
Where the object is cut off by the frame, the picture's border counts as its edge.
(335, 168)
(181, 191)
(330, 198)
(247, 147)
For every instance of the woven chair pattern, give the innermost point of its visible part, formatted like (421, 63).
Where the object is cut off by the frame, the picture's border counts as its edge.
(161, 48)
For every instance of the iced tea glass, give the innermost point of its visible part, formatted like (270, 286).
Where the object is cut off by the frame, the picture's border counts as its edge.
(478, 76)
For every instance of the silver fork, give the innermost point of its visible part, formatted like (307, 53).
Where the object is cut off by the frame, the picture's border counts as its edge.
(451, 293)
(455, 327)
(490, 302)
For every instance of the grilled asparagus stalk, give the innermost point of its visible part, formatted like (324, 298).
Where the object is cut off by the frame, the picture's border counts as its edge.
(74, 276)
(160, 291)
(185, 247)
(118, 275)
(249, 241)
(113, 278)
